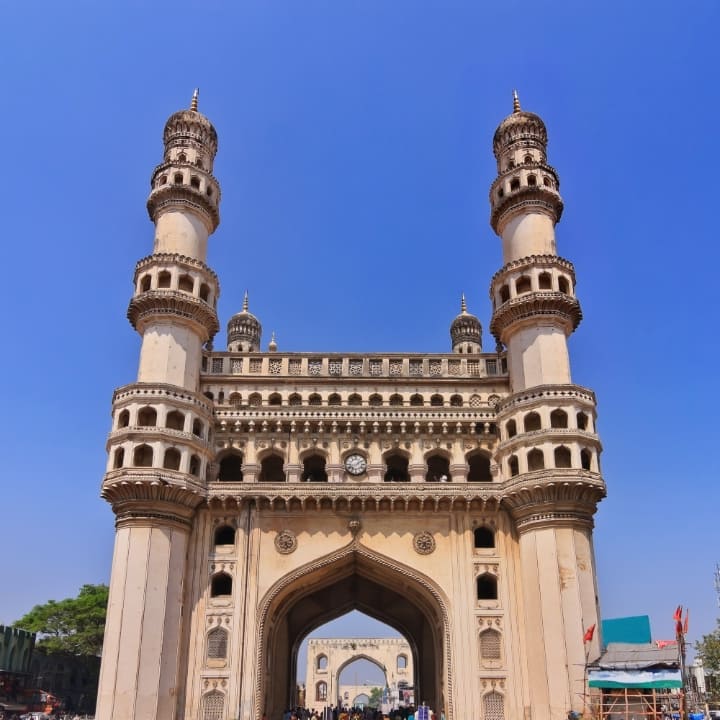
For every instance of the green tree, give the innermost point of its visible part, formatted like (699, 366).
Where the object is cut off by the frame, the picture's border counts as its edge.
(708, 650)
(74, 625)
(375, 697)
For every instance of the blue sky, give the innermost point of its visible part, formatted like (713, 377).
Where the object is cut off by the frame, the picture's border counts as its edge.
(355, 160)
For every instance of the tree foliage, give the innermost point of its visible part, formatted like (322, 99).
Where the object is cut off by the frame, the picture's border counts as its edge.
(74, 625)
(375, 697)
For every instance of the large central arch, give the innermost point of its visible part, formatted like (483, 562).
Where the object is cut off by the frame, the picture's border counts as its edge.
(352, 578)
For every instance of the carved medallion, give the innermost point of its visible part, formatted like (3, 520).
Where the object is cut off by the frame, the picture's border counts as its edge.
(285, 542)
(424, 543)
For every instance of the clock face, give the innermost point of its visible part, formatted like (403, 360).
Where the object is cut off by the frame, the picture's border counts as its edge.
(355, 464)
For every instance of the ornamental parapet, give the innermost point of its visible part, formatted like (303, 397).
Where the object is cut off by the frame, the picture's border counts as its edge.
(522, 199)
(160, 303)
(534, 261)
(552, 435)
(544, 393)
(154, 392)
(184, 261)
(535, 306)
(321, 367)
(185, 196)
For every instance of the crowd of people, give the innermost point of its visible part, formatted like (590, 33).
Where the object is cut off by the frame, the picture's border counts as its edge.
(332, 712)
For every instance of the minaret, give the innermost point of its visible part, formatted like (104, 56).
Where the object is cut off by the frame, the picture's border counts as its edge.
(466, 331)
(549, 450)
(158, 447)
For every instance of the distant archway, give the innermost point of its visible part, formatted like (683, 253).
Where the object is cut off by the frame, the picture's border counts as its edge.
(352, 578)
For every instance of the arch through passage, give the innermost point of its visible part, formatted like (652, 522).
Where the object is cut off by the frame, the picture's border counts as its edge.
(352, 578)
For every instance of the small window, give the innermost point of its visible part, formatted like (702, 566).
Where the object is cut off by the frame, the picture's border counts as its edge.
(436, 401)
(334, 399)
(145, 283)
(535, 460)
(172, 459)
(143, 456)
(456, 401)
(195, 182)
(255, 400)
(501, 193)
(321, 662)
(175, 420)
(375, 400)
(563, 457)
(221, 585)
(532, 181)
(484, 537)
(515, 184)
(511, 428)
(182, 157)
(315, 399)
(194, 465)
(314, 469)
(164, 279)
(504, 294)
(438, 469)
(491, 367)
(563, 285)
(185, 283)
(275, 399)
(123, 419)
(582, 421)
(513, 466)
(487, 587)
(321, 692)
(479, 468)
(545, 281)
(178, 178)
(490, 646)
(585, 459)
(295, 399)
(523, 285)
(402, 662)
(231, 468)
(225, 535)
(162, 180)
(396, 469)
(558, 419)
(396, 400)
(147, 417)
(204, 292)
(355, 399)
(235, 399)
(217, 644)
(271, 469)
(416, 400)
(546, 182)
(527, 159)
(118, 458)
(532, 422)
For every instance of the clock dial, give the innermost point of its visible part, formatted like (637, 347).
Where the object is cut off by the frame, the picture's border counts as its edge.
(355, 464)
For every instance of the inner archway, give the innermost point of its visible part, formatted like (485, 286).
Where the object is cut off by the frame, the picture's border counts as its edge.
(353, 578)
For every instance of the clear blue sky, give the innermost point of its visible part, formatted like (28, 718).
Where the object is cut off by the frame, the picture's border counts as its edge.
(355, 161)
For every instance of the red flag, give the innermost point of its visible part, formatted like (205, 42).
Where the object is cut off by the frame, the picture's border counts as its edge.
(687, 622)
(677, 617)
(589, 633)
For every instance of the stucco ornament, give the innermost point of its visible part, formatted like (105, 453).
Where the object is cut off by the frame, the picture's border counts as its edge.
(424, 543)
(285, 542)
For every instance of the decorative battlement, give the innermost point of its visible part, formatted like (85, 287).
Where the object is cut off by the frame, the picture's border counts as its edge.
(354, 366)
(187, 191)
(152, 305)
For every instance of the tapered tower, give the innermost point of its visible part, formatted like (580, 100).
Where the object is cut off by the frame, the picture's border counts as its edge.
(158, 447)
(549, 448)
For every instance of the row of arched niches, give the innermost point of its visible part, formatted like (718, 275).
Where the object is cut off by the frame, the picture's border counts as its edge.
(162, 427)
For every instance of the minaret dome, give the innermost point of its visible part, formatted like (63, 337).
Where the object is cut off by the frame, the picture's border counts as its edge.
(525, 183)
(466, 331)
(244, 330)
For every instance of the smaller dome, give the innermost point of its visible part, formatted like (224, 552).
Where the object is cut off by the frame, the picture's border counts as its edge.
(244, 330)
(272, 345)
(466, 331)
(191, 124)
(519, 124)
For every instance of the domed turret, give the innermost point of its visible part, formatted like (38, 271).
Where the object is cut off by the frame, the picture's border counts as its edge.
(244, 331)
(525, 180)
(272, 345)
(184, 180)
(466, 331)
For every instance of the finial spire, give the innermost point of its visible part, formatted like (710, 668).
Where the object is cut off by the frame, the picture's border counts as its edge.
(516, 102)
(463, 304)
(246, 305)
(194, 101)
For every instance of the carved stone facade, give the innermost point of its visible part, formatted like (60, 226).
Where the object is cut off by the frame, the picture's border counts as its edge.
(327, 658)
(260, 494)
